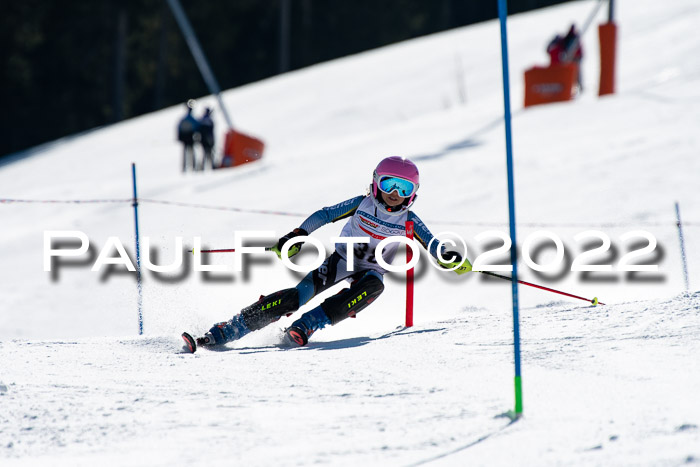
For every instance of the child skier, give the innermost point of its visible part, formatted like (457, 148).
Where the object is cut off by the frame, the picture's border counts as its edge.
(380, 214)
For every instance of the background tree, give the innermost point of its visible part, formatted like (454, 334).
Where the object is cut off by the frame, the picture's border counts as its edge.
(70, 65)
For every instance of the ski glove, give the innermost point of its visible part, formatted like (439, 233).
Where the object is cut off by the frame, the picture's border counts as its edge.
(454, 261)
(295, 248)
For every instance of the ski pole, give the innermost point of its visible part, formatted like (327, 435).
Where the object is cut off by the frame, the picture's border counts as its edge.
(227, 250)
(594, 301)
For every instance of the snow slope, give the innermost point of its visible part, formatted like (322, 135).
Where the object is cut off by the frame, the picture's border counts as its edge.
(613, 385)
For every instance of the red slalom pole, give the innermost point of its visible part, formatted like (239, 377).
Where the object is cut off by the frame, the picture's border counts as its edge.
(409, 277)
(594, 301)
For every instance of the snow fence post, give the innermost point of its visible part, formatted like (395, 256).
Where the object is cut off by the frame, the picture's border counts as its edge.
(139, 288)
(502, 15)
(682, 242)
(409, 277)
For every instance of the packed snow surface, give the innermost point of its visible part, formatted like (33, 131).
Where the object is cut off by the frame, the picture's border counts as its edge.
(614, 384)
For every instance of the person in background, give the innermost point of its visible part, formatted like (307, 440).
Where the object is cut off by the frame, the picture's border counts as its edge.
(573, 52)
(567, 49)
(206, 133)
(187, 132)
(555, 49)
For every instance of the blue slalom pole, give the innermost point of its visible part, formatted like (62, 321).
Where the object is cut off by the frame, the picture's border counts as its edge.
(502, 14)
(682, 242)
(138, 251)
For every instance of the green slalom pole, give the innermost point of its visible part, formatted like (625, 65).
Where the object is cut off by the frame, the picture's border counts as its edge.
(502, 14)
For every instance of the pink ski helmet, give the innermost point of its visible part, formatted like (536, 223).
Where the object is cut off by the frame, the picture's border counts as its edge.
(395, 174)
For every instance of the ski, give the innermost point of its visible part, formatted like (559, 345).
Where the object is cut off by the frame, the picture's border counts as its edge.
(189, 342)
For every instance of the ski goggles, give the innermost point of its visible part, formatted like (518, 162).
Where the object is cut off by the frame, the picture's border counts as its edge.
(390, 183)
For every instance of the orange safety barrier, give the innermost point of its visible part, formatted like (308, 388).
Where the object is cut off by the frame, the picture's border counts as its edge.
(607, 34)
(550, 84)
(240, 148)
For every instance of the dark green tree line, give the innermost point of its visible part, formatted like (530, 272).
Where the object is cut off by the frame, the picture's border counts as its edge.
(71, 65)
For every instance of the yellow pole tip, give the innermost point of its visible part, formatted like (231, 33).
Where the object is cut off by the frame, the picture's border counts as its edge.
(594, 301)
